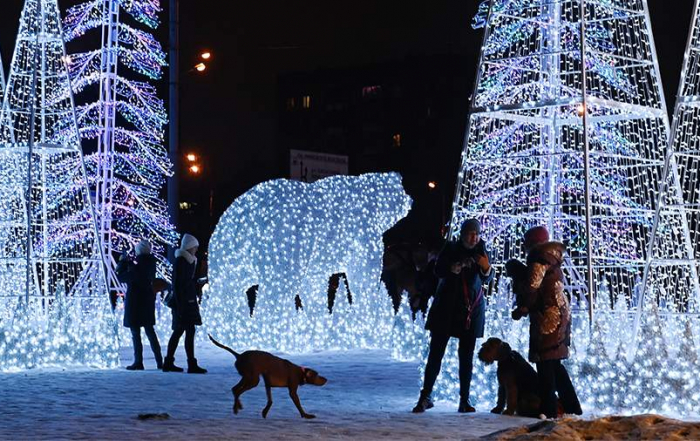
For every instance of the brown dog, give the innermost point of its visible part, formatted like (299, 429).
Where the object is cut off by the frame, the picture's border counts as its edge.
(276, 372)
(517, 380)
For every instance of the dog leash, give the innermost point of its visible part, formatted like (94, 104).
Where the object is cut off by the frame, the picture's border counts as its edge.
(470, 305)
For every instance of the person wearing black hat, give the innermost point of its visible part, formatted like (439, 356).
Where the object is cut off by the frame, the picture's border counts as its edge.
(459, 309)
(140, 301)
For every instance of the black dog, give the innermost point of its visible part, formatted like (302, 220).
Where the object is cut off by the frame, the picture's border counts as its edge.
(517, 380)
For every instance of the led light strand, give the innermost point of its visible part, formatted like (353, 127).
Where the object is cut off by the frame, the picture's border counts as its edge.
(289, 238)
(130, 166)
(54, 307)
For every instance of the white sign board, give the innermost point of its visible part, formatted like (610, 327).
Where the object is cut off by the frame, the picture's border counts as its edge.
(311, 166)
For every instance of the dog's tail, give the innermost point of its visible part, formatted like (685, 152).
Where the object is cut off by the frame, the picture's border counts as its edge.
(224, 347)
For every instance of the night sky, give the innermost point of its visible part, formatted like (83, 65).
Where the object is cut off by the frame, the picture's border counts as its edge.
(229, 114)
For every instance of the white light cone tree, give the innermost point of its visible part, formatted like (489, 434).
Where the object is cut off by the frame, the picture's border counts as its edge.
(568, 128)
(121, 120)
(52, 276)
(680, 193)
(584, 158)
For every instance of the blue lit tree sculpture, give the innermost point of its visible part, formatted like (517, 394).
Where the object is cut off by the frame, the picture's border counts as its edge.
(54, 308)
(128, 169)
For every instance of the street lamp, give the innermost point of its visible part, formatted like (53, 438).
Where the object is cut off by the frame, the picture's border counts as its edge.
(191, 157)
(195, 169)
(174, 105)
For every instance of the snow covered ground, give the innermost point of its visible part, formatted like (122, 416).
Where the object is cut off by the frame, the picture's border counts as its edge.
(368, 396)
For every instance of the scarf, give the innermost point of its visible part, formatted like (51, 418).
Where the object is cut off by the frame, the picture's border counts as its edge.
(189, 257)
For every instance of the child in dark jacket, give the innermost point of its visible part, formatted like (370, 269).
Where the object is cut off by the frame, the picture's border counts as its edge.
(539, 290)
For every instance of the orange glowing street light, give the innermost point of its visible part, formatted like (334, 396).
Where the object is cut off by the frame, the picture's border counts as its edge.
(191, 157)
(195, 169)
(432, 185)
(205, 55)
(201, 67)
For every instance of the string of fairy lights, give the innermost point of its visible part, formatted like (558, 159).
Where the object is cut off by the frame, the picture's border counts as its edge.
(685, 147)
(524, 165)
(289, 237)
(660, 378)
(2, 81)
(54, 308)
(130, 165)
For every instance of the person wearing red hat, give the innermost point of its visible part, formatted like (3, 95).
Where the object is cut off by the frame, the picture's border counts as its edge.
(459, 309)
(539, 288)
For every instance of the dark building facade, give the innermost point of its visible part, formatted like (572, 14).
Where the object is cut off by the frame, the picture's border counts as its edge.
(407, 116)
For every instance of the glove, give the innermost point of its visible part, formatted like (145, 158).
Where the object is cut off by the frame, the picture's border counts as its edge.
(515, 269)
(519, 313)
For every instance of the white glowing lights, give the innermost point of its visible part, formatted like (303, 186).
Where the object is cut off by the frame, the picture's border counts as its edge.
(125, 121)
(526, 161)
(660, 378)
(568, 129)
(54, 308)
(680, 204)
(2, 81)
(289, 238)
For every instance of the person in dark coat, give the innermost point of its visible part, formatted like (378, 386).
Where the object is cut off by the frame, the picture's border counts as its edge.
(459, 309)
(186, 306)
(540, 294)
(140, 301)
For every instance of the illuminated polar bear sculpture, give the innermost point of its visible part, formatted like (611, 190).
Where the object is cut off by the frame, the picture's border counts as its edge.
(288, 238)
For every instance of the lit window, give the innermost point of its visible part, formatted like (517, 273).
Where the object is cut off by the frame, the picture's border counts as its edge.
(370, 91)
(291, 103)
(306, 102)
(397, 140)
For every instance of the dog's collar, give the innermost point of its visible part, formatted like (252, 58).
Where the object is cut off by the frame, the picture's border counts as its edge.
(303, 375)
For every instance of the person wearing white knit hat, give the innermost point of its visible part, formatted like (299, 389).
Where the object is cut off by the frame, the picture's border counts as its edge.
(140, 301)
(186, 306)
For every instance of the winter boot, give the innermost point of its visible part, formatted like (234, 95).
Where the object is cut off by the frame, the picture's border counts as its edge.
(424, 403)
(465, 406)
(135, 366)
(169, 365)
(192, 367)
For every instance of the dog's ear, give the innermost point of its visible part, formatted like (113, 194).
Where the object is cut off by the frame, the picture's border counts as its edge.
(504, 349)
